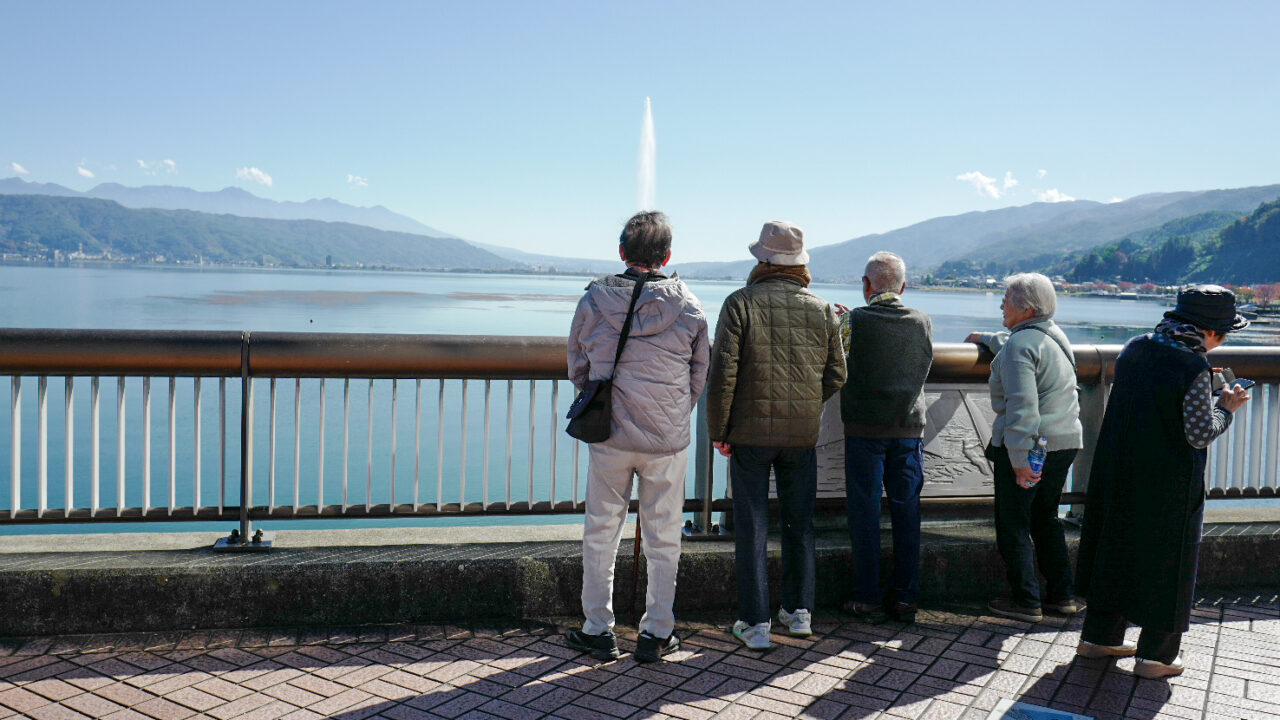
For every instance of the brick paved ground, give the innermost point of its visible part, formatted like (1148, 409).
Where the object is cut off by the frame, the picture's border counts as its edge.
(955, 664)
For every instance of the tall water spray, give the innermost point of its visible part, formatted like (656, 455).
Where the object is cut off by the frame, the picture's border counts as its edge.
(646, 180)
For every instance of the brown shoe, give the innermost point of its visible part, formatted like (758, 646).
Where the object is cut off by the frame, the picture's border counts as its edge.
(1005, 607)
(866, 612)
(1070, 606)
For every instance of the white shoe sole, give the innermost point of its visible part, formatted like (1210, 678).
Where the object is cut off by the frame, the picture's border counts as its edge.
(1087, 649)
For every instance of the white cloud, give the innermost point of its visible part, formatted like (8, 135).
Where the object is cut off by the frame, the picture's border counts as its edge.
(154, 167)
(20, 170)
(357, 180)
(254, 174)
(983, 184)
(1009, 180)
(1041, 173)
(84, 171)
(1054, 196)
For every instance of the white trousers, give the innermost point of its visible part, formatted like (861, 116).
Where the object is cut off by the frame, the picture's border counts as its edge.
(609, 476)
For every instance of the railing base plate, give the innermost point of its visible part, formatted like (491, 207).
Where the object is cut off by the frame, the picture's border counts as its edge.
(226, 545)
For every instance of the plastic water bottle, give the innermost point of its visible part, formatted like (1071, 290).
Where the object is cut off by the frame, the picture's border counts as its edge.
(1036, 455)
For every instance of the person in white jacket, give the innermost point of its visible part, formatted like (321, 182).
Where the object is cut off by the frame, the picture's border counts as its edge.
(656, 384)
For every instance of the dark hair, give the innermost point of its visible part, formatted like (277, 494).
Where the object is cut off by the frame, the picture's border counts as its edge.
(646, 238)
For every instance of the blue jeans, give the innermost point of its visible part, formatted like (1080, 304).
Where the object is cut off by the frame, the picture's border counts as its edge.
(1028, 532)
(796, 471)
(897, 465)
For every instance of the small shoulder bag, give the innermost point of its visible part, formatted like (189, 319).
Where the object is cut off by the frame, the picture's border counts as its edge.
(591, 414)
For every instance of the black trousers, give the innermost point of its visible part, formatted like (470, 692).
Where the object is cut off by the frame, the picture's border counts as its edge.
(1028, 532)
(1103, 627)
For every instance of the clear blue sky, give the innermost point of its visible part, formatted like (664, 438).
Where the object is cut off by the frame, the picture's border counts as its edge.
(519, 123)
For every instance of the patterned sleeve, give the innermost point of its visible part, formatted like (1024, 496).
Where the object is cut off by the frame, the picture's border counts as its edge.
(1201, 421)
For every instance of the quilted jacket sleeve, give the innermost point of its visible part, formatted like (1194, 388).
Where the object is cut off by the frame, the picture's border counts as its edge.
(834, 374)
(579, 363)
(698, 361)
(722, 378)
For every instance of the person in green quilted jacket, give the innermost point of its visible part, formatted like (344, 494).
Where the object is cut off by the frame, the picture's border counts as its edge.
(777, 357)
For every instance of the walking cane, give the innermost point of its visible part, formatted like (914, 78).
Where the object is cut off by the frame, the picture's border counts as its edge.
(635, 576)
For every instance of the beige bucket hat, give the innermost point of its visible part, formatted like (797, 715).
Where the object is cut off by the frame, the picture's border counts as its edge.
(780, 243)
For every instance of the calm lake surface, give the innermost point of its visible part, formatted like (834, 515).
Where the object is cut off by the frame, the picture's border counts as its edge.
(382, 302)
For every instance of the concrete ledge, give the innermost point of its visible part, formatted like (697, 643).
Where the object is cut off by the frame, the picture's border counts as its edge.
(296, 584)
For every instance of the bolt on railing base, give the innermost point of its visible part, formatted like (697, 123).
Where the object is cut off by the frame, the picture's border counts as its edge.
(235, 542)
(695, 532)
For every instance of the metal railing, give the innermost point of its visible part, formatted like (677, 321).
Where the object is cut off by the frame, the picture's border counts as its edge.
(351, 421)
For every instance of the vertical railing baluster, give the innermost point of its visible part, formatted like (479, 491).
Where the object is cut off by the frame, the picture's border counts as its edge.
(222, 444)
(484, 500)
(395, 388)
(576, 447)
(1257, 415)
(68, 500)
(417, 438)
(511, 394)
(95, 452)
(15, 454)
(271, 446)
(1238, 458)
(555, 403)
(197, 496)
(320, 457)
(533, 390)
(462, 462)
(173, 444)
(1273, 434)
(146, 444)
(297, 440)
(368, 477)
(120, 435)
(440, 449)
(346, 437)
(42, 444)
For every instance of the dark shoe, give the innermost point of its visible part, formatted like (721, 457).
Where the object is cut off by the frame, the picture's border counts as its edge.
(1070, 606)
(903, 612)
(866, 612)
(601, 647)
(651, 649)
(1008, 608)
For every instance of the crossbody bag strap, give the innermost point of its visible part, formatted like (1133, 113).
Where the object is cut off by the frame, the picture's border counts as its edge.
(1071, 358)
(626, 324)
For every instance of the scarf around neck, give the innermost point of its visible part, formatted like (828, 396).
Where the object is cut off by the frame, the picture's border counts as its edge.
(1183, 334)
(798, 273)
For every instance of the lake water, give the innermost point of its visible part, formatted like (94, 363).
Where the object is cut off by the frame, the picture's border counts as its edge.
(384, 302)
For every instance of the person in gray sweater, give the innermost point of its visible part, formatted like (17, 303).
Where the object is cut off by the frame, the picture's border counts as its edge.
(656, 384)
(889, 353)
(1033, 392)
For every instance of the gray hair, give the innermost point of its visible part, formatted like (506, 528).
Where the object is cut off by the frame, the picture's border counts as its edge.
(1031, 291)
(886, 272)
(646, 238)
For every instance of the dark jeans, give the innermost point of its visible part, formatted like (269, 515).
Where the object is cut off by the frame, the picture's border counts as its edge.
(1027, 516)
(897, 465)
(1102, 627)
(796, 471)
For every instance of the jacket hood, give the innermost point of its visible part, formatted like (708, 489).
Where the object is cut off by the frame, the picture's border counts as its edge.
(661, 303)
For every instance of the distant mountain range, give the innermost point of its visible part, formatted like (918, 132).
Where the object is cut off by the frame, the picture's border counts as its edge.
(230, 201)
(1033, 235)
(1067, 237)
(41, 226)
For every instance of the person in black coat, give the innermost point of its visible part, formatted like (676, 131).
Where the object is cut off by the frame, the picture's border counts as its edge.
(1140, 542)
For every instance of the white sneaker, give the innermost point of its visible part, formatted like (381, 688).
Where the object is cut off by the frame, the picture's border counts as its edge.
(755, 637)
(799, 623)
(1087, 649)
(1155, 669)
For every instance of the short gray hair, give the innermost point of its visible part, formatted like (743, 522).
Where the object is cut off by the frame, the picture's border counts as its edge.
(1031, 291)
(886, 272)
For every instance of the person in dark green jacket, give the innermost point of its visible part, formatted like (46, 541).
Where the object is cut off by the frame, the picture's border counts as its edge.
(777, 358)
